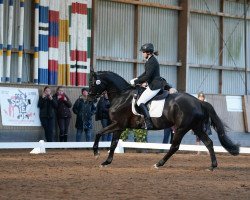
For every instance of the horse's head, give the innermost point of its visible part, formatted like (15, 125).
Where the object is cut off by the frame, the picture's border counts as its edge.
(106, 80)
(96, 85)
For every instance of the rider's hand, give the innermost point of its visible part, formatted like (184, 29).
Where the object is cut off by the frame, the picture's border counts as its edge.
(172, 91)
(132, 82)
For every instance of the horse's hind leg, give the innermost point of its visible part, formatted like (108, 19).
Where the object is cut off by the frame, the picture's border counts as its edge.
(115, 140)
(173, 148)
(209, 144)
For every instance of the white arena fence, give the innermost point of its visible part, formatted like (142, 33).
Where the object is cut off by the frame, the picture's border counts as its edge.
(41, 146)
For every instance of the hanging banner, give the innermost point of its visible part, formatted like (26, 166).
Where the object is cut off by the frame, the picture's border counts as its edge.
(19, 107)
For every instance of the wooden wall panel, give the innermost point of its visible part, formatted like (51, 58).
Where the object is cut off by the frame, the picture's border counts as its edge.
(234, 120)
(246, 112)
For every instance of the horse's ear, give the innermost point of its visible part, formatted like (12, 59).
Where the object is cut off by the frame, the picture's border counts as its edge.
(92, 72)
(91, 69)
(94, 75)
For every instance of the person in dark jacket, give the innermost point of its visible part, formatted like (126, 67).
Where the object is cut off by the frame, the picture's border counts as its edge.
(152, 76)
(47, 105)
(63, 113)
(102, 113)
(84, 109)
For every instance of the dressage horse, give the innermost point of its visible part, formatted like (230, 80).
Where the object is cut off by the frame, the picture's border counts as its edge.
(181, 110)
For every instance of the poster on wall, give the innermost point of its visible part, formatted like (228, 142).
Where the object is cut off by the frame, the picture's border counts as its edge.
(234, 103)
(19, 106)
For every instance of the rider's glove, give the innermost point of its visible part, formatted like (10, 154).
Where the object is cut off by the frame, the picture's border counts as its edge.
(132, 82)
(172, 91)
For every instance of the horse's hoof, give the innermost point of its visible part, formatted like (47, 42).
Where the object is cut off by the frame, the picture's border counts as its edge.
(211, 169)
(103, 166)
(106, 163)
(155, 166)
(97, 155)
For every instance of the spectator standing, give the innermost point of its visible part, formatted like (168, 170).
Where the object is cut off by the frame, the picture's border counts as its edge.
(47, 105)
(63, 113)
(207, 127)
(84, 109)
(102, 113)
(168, 132)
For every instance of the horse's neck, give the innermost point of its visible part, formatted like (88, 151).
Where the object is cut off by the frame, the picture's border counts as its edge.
(113, 90)
(117, 83)
(122, 96)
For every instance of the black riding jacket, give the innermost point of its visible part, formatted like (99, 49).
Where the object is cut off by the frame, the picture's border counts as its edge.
(84, 110)
(151, 74)
(47, 107)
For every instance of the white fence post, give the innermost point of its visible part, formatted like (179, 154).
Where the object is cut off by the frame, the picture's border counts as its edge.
(119, 148)
(40, 149)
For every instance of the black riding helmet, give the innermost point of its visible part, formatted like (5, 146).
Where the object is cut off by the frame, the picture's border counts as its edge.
(148, 48)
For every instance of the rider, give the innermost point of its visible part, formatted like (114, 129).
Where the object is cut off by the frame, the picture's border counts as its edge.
(151, 75)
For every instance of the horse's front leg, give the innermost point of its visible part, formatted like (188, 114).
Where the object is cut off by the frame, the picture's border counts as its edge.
(115, 140)
(109, 129)
(96, 144)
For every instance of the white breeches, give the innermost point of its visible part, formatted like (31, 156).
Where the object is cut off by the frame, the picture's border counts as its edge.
(147, 95)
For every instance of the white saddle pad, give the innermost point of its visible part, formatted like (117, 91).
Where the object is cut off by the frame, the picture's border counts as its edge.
(155, 108)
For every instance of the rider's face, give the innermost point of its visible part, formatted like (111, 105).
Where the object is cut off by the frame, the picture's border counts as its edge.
(145, 55)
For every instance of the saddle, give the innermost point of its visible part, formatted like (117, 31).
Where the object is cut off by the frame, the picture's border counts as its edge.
(162, 94)
(155, 105)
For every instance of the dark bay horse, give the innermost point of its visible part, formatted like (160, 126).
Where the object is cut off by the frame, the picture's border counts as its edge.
(181, 110)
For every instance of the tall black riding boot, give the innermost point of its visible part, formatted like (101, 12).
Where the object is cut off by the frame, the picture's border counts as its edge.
(145, 112)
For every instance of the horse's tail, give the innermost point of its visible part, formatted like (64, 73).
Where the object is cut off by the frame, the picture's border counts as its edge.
(219, 127)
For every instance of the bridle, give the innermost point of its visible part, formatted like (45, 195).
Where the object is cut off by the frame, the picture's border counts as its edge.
(96, 82)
